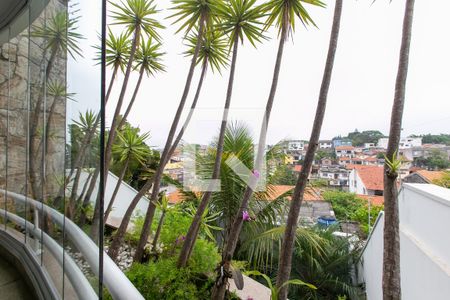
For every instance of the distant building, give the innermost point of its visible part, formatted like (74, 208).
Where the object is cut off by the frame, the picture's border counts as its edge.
(335, 175)
(348, 151)
(369, 145)
(325, 144)
(366, 180)
(405, 143)
(423, 176)
(341, 142)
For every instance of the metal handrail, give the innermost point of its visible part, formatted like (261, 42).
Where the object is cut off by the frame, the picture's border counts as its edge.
(115, 280)
(76, 277)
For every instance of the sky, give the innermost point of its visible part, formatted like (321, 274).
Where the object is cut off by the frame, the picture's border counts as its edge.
(361, 91)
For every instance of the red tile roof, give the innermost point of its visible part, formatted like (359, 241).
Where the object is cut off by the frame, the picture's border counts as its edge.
(430, 176)
(345, 148)
(297, 168)
(371, 176)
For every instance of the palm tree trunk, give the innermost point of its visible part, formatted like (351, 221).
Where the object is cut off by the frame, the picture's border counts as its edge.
(127, 217)
(87, 197)
(164, 157)
(85, 186)
(114, 127)
(191, 235)
(88, 137)
(116, 189)
(133, 98)
(221, 283)
(391, 251)
(33, 130)
(287, 246)
(158, 231)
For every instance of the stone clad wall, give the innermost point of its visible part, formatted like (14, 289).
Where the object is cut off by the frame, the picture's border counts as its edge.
(23, 61)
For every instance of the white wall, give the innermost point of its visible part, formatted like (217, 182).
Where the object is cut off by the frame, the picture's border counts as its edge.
(424, 245)
(123, 199)
(360, 187)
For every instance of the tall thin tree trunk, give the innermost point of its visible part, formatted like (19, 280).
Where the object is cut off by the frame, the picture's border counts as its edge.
(116, 189)
(191, 235)
(87, 197)
(34, 125)
(87, 139)
(391, 251)
(219, 288)
(84, 189)
(287, 246)
(115, 120)
(155, 181)
(133, 98)
(158, 230)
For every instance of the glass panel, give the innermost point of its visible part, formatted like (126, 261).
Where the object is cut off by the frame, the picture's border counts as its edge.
(49, 147)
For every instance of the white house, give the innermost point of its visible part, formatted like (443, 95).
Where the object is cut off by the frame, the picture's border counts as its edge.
(424, 246)
(325, 144)
(295, 145)
(348, 151)
(405, 143)
(366, 180)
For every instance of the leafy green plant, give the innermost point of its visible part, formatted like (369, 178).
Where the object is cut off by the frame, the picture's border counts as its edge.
(274, 289)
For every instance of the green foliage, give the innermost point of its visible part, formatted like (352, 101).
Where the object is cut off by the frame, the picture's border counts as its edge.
(438, 160)
(444, 181)
(283, 13)
(367, 136)
(60, 34)
(213, 50)
(274, 290)
(239, 18)
(191, 12)
(136, 15)
(284, 175)
(148, 57)
(117, 50)
(348, 207)
(134, 235)
(163, 280)
(436, 139)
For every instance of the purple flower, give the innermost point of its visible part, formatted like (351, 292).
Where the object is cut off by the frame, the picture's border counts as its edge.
(246, 216)
(256, 173)
(183, 238)
(249, 298)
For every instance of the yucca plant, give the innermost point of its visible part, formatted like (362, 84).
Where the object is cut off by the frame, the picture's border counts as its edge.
(239, 20)
(190, 13)
(137, 18)
(302, 180)
(60, 37)
(283, 14)
(130, 147)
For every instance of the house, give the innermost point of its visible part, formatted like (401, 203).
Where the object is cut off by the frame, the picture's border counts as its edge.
(341, 142)
(369, 145)
(405, 143)
(424, 211)
(325, 144)
(295, 145)
(326, 161)
(341, 151)
(423, 176)
(175, 170)
(366, 180)
(335, 175)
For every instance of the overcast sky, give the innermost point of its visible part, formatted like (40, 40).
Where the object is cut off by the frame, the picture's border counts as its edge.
(362, 86)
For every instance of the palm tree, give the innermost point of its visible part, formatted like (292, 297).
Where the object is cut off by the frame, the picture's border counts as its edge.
(135, 15)
(59, 35)
(391, 253)
(117, 51)
(283, 14)
(239, 18)
(117, 55)
(148, 61)
(131, 147)
(192, 12)
(284, 269)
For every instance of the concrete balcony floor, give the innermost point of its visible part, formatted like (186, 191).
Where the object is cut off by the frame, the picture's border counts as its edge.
(12, 285)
